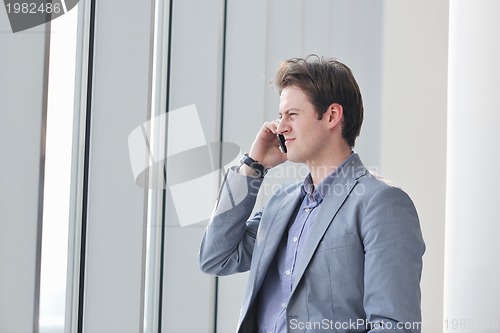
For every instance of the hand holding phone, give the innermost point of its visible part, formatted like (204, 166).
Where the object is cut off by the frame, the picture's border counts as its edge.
(281, 139)
(263, 149)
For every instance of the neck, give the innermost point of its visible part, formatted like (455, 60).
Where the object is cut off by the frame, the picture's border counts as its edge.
(321, 168)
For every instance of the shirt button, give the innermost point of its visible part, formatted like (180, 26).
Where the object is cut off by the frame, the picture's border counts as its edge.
(283, 305)
(288, 272)
(295, 238)
(307, 210)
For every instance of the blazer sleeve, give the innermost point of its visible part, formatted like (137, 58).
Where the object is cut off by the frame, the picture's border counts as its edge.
(228, 241)
(393, 262)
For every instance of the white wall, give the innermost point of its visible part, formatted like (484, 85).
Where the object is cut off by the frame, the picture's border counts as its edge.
(413, 127)
(472, 247)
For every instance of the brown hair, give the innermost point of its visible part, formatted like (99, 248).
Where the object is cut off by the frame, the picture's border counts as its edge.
(325, 81)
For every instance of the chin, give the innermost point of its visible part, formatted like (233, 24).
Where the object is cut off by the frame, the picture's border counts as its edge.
(293, 158)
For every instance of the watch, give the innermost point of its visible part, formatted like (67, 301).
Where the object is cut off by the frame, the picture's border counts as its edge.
(254, 165)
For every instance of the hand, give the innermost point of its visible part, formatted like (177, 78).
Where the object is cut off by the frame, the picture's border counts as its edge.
(265, 148)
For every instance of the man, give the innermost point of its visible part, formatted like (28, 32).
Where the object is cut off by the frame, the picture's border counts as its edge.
(340, 251)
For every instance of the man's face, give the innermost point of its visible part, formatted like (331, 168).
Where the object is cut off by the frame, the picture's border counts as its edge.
(305, 135)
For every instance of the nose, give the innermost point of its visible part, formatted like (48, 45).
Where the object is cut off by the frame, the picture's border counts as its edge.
(282, 126)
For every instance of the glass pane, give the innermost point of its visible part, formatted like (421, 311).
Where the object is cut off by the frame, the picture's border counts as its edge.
(57, 178)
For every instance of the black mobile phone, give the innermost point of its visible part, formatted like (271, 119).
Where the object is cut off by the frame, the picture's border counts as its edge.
(281, 139)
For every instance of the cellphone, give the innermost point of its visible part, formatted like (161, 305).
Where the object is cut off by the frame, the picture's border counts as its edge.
(281, 139)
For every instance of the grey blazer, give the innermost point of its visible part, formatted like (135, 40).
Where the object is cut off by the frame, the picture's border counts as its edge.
(361, 268)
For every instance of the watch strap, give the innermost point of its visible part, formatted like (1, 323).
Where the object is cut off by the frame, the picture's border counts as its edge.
(254, 165)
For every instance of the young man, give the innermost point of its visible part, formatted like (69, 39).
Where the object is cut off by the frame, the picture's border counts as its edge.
(340, 251)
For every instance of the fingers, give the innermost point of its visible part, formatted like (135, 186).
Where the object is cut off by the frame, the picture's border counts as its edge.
(265, 148)
(272, 126)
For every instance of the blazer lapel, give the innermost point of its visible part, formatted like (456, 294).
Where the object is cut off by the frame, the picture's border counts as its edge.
(346, 180)
(273, 233)
(269, 237)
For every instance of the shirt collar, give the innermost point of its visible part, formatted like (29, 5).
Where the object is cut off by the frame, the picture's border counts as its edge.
(307, 187)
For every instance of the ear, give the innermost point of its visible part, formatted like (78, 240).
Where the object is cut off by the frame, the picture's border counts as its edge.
(334, 114)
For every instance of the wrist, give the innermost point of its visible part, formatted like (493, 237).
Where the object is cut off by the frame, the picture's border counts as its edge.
(252, 167)
(245, 170)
